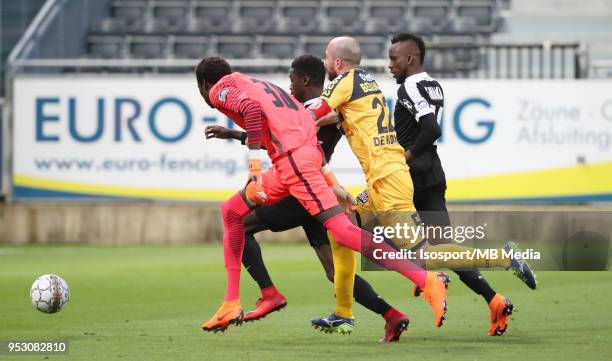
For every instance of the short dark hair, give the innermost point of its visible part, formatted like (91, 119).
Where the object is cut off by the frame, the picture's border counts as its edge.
(311, 66)
(411, 37)
(212, 69)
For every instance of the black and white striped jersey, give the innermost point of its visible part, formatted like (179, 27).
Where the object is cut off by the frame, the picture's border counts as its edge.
(418, 111)
(418, 96)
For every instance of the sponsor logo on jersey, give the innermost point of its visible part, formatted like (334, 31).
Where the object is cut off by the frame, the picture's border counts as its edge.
(223, 94)
(422, 104)
(406, 104)
(366, 77)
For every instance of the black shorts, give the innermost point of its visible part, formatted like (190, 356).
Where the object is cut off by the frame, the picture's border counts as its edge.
(289, 213)
(431, 205)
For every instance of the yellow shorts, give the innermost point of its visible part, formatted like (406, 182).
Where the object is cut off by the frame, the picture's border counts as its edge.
(388, 203)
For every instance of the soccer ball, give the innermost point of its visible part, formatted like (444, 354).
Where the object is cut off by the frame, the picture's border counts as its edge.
(49, 293)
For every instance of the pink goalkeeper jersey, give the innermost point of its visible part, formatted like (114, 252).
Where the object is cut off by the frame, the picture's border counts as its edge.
(271, 117)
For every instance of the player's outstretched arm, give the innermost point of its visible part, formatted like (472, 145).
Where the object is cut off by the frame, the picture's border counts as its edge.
(336, 94)
(220, 132)
(328, 119)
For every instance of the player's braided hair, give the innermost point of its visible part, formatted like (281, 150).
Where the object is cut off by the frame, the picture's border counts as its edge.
(411, 37)
(212, 69)
(311, 66)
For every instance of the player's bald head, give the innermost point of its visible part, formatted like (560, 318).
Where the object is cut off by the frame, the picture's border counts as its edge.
(345, 48)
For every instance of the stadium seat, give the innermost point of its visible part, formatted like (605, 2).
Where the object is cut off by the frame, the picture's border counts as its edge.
(213, 9)
(211, 17)
(190, 47)
(341, 16)
(421, 25)
(130, 10)
(429, 16)
(235, 46)
(373, 47)
(165, 26)
(172, 14)
(316, 45)
(380, 27)
(119, 25)
(105, 46)
(385, 17)
(256, 17)
(148, 47)
(298, 17)
(208, 26)
(480, 14)
(278, 47)
(453, 61)
(461, 24)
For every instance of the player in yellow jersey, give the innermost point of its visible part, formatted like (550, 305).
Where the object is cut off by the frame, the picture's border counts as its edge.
(364, 116)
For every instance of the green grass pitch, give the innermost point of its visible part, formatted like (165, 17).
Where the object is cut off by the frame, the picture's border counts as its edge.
(147, 303)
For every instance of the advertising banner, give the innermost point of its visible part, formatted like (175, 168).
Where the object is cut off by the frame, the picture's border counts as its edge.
(2, 154)
(142, 137)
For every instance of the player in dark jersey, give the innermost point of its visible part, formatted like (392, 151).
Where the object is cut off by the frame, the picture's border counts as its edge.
(420, 100)
(307, 76)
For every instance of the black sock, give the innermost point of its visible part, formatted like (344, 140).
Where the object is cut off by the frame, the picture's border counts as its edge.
(476, 281)
(253, 262)
(366, 296)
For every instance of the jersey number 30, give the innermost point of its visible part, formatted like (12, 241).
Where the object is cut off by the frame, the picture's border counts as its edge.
(281, 98)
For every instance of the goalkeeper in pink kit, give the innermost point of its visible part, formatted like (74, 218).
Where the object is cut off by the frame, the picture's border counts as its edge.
(276, 121)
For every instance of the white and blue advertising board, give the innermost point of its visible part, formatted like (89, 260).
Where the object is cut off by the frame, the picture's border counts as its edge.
(129, 137)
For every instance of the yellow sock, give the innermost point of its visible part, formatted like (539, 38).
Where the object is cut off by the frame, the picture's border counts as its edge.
(479, 261)
(344, 277)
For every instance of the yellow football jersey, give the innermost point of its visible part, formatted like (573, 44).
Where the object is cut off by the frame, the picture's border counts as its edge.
(366, 121)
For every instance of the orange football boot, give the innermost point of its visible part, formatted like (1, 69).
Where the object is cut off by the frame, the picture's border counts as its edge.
(435, 293)
(500, 308)
(229, 313)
